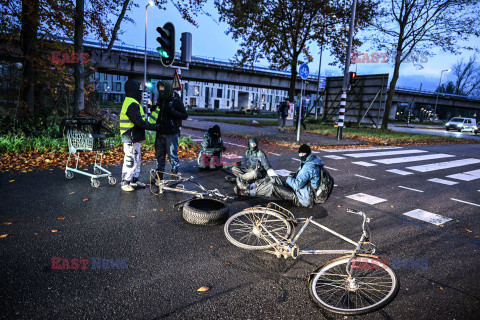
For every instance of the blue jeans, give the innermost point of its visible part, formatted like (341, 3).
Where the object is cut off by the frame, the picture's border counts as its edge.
(167, 143)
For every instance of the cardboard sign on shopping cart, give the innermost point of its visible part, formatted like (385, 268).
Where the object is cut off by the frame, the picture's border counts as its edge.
(177, 85)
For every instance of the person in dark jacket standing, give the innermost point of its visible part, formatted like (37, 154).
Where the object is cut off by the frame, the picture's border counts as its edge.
(256, 165)
(169, 113)
(298, 186)
(212, 148)
(283, 114)
(132, 131)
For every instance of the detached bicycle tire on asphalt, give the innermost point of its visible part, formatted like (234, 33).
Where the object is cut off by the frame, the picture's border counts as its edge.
(205, 212)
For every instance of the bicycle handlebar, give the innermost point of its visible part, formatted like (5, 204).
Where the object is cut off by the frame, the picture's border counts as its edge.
(360, 213)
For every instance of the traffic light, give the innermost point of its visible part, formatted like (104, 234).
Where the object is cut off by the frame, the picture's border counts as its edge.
(352, 77)
(167, 44)
(186, 48)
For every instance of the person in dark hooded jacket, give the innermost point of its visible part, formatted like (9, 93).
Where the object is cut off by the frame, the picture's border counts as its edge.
(132, 131)
(298, 186)
(212, 148)
(169, 113)
(255, 165)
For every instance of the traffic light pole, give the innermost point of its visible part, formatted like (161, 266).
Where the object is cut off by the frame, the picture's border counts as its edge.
(343, 101)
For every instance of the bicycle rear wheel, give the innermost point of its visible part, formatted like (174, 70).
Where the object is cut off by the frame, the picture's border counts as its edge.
(373, 285)
(257, 229)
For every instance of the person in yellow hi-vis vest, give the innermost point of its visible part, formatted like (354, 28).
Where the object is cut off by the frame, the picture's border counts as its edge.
(132, 131)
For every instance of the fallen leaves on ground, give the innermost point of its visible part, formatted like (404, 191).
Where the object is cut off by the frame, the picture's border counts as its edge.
(202, 289)
(86, 199)
(32, 159)
(61, 218)
(11, 180)
(9, 223)
(3, 235)
(468, 230)
(54, 230)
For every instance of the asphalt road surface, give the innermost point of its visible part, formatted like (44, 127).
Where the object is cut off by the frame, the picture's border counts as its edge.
(424, 203)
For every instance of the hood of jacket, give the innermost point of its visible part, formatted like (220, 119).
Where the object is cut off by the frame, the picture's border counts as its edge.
(167, 93)
(312, 158)
(133, 89)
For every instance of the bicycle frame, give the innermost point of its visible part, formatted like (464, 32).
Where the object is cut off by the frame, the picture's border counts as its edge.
(290, 248)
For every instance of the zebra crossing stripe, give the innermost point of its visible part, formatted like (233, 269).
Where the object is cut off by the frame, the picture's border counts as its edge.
(466, 176)
(426, 216)
(400, 172)
(330, 168)
(334, 157)
(444, 165)
(382, 153)
(366, 198)
(442, 181)
(414, 158)
(364, 164)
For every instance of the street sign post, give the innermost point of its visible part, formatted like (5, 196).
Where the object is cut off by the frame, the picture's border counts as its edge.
(322, 81)
(176, 85)
(304, 72)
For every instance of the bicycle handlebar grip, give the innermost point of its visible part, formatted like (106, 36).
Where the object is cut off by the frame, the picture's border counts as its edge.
(355, 211)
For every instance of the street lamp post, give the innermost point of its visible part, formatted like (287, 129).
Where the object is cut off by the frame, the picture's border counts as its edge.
(150, 3)
(438, 91)
(318, 82)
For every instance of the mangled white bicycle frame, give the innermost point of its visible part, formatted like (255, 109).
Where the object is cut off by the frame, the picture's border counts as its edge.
(354, 284)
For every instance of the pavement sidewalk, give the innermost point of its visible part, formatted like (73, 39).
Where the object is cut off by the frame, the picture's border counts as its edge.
(270, 133)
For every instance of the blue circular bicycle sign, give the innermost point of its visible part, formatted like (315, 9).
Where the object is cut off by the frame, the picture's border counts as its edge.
(304, 71)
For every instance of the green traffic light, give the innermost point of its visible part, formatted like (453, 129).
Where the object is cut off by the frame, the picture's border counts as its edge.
(162, 52)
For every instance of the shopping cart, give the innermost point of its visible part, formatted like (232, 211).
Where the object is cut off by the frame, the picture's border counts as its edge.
(88, 134)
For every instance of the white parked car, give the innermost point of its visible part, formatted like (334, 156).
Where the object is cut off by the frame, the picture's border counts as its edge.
(462, 124)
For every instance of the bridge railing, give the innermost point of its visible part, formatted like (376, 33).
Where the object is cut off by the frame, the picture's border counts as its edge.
(410, 89)
(210, 60)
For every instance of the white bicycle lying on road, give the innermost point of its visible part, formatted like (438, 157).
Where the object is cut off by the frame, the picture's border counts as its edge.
(357, 283)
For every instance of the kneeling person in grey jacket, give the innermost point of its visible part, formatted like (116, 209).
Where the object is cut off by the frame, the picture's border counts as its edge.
(298, 186)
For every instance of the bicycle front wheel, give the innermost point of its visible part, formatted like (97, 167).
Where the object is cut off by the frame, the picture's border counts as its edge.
(257, 229)
(372, 286)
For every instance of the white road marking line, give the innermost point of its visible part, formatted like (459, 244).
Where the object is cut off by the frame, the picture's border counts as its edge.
(366, 198)
(410, 189)
(426, 216)
(234, 144)
(473, 204)
(275, 154)
(359, 149)
(444, 165)
(197, 139)
(336, 185)
(466, 176)
(400, 172)
(297, 159)
(334, 157)
(414, 158)
(330, 168)
(382, 153)
(357, 175)
(283, 172)
(364, 164)
(442, 181)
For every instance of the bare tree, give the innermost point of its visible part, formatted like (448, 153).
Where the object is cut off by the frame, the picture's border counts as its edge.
(282, 30)
(467, 75)
(408, 27)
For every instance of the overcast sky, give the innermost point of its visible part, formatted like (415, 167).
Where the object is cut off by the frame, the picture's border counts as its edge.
(210, 40)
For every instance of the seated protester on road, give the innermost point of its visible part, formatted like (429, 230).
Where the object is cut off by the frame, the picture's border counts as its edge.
(256, 165)
(298, 186)
(212, 148)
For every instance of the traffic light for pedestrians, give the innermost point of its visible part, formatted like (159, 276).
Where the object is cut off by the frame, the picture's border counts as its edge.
(352, 77)
(186, 48)
(167, 43)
